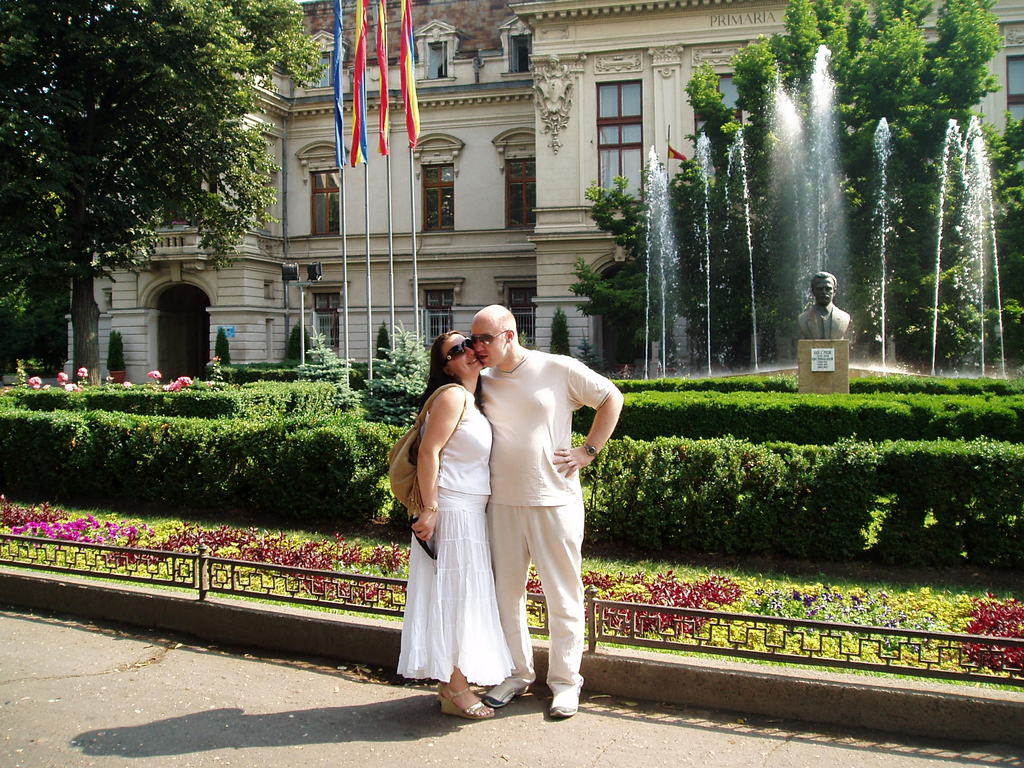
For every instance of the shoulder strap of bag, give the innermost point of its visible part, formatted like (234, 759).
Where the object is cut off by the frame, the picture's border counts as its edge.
(426, 409)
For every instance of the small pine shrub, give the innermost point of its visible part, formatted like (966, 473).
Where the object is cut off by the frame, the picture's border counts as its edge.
(560, 333)
(221, 348)
(115, 352)
(393, 394)
(383, 339)
(294, 352)
(323, 364)
(589, 356)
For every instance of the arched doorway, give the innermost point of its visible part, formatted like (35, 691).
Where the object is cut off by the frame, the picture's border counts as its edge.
(183, 348)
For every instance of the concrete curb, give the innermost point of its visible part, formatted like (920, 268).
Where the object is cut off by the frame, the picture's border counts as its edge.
(896, 706)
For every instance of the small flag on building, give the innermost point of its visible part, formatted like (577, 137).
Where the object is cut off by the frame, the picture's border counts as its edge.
(673, 152)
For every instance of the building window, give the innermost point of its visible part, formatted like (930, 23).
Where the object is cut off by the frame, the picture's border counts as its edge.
(438, 197)
(520, 193)
(325, 316)
(730, 98)
(325, 202)
(620, 133)
(437, 60)
(327, 78)
(1015, 86)
(519, 59)
(520, 302)
(439, 311)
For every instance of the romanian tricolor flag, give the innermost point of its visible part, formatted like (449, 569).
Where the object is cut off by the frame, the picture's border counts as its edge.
(382, 64)
(407, 63)
(336, 72)
(358, 154)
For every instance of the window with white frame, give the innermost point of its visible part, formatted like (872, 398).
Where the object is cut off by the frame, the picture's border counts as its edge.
(1015, 86)
(438, 303)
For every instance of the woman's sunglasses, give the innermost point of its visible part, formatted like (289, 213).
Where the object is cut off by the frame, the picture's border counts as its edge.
(458, 349)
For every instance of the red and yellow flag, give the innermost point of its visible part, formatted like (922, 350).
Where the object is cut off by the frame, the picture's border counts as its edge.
(358, 153)
(407, 64)
(382, 64)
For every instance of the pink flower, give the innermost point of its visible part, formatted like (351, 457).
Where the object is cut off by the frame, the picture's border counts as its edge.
(62, 378)
(82, 372)
(46, 387)
(155, 374)
(126, 384)
(69, 387)
(185, 381)
(35, 382)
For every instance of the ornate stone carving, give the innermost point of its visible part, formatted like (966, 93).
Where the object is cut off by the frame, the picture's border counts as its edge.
(618, 62)
(1014, 34)
(553, 84)
(666, 55)
(716, 57)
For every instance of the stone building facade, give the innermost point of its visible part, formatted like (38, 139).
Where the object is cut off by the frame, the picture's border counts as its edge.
(523, 105)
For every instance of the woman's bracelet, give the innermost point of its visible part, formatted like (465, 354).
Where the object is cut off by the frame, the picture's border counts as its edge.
(429, 509)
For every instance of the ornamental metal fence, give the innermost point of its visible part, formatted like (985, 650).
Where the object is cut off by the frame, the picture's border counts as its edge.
(916, 653)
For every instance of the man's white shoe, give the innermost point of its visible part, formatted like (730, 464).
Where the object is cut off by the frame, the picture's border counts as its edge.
(503, 693)
(565, 704)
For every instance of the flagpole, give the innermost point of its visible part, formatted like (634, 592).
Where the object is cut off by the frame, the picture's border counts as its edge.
(369, 287)
(412, 236)
(391, 259)
(344, 259)
(668, 143)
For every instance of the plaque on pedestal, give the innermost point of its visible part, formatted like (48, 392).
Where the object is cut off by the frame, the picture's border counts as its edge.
(824, 366)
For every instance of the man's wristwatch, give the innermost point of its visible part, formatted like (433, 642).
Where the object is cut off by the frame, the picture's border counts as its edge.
(590, 449)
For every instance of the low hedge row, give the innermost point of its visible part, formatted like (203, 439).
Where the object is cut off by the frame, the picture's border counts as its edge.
(286, 370)
(330, 469)
(261, 400)
(896, 384)
(816, 419)
(914, 503)
(907, 502)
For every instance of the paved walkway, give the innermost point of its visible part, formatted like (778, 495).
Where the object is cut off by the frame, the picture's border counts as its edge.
(75, 693)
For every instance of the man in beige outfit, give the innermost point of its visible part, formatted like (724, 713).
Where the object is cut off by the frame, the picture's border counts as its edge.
(536, 507)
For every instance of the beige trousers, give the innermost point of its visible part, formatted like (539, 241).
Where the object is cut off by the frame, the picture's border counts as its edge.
(551, 537)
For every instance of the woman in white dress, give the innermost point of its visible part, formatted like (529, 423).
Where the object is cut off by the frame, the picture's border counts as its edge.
(452, 632)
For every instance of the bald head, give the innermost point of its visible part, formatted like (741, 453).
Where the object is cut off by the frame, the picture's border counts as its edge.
(497, 326)
(496, 315)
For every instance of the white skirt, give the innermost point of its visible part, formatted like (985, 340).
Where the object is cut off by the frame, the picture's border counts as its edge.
(451, 615)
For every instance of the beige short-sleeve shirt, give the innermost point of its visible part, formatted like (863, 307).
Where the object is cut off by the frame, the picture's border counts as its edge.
(530, 410)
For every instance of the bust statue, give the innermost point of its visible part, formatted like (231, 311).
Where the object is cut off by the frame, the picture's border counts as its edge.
(823, 319)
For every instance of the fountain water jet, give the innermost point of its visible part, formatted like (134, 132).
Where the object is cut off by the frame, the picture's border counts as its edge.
(662, 259)
(883, 151)
(738, 160)
(706, 169)
(949, 145)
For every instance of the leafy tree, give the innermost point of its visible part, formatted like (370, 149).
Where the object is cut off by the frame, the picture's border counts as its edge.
(560, 333)
(221, 348)
(32, 327)
(114, 116)
(393, 394)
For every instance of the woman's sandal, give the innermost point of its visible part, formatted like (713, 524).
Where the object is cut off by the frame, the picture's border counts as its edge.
(476, 711)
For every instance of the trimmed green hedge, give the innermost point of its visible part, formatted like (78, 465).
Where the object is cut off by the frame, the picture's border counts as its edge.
(922, 385)
(907, 502)
(261, 400)
(919, 503)
(816, 419)
(286, 370)
(333, 469)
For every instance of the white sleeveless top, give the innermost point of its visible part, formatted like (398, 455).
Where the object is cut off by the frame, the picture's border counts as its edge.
(465, 460)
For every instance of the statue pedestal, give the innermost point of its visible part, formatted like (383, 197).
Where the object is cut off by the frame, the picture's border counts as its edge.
(824, 366)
